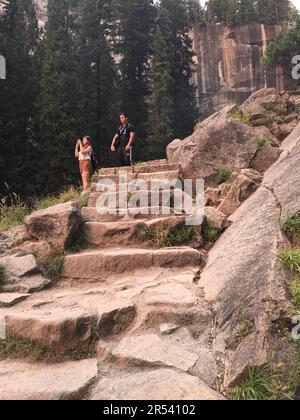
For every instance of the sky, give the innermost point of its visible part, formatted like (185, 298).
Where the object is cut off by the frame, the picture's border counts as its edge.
(295, 2)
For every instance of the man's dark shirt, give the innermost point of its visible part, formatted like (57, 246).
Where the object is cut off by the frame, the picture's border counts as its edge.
(123, 133)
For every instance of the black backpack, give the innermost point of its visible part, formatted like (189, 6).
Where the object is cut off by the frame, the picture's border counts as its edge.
(95, 163)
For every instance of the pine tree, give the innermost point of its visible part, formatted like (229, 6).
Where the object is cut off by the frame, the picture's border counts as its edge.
(136, 24)
(185, 112)
(98, 72)
(19, 43)
(59, 101)
(281, 51)
(162, 86)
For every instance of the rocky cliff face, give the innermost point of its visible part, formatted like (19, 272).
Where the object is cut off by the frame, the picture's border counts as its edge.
(229, 64)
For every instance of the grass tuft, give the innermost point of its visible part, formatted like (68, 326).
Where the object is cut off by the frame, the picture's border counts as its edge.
(69, 194)
(166, 236)
(14, 347)
(262, 141)
(52, 267)
(240, 116)
(260, 385)
(13, 215)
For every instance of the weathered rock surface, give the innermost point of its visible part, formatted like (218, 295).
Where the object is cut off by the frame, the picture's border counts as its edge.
(58, 225)
(161, 384)
(11, 299)
(26, 381)
(153, 351)
(219, 142)
(237, 279)
(19, 266)
(12, 238)
(217, 217)
(265, 157)
(241, 189)
(22, 274)
(229, 65)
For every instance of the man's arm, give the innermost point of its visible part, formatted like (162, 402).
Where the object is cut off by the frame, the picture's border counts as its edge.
(113, 147)
(131, 141)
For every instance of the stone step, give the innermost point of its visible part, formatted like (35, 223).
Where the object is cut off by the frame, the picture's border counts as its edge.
(143, 197)
(68, 321)
(125, 233)
(147, 177)
(154, 385)
(38, 381)
(97, 265)
(68, 318)
(92, 214)
(146, 167)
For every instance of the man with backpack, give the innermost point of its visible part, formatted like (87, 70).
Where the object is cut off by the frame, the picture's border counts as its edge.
(123, 141)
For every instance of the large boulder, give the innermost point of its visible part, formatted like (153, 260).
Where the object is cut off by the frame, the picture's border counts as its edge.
(244, 273)
(219, 142)
(58, 225)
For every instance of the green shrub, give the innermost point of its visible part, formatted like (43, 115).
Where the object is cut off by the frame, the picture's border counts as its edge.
(260, 385)
(240, 116)
(224, 175)
(210, 232)
(291, 226)
(52, 267)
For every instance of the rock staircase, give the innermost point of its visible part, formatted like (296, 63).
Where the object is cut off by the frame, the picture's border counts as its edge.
(138, 306)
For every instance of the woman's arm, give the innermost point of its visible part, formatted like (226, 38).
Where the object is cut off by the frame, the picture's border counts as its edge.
(86, 151)
(76, 150)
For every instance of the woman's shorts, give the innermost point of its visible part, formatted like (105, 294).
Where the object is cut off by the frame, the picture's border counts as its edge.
(85, 166)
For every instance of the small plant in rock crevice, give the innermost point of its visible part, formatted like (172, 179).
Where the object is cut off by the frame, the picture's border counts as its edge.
(2, 274)
(210, 232)
(52, 266)
(223, 175)
(240, 116)
(291, 259)
(291, 227)
(246, 326)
